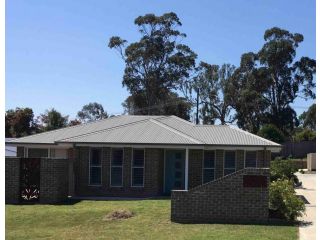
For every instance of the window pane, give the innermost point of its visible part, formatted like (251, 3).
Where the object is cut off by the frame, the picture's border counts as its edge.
(228, 171)
(251, 159)
(116, 176)
(208, 159)
(137, 177)
(230, 160)
(178, 184)
(95, 157)
(138, 158)
(95, 175)
(37, 152)
(117, 157)
(208, 175)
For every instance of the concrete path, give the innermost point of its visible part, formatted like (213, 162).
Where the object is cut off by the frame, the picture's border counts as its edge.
(307, 229)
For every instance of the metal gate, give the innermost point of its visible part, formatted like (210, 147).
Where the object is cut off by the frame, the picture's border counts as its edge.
(29, 179)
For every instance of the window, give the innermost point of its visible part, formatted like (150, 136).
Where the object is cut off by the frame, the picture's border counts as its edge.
(251, 159)
(137, 168)
(229, 162)
(38, 152)
(208, 166)
(116, 167)
(95, 166)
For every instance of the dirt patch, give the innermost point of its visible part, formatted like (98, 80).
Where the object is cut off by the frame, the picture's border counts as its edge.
(118, 215)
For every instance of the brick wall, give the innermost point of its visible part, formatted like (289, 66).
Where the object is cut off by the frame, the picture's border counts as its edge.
(223, 200)
(153, 174)
(12, 179)
(53, 180)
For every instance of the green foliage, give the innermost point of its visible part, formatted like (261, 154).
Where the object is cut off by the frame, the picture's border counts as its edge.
(271, 132)
(304, 135)
(283, 169)
(171, 104)
(267, 82)
(91, 112)
(308, 118)
(20, 122)
(157, 63)
(52, 119)
(213, 83)
(283, 199)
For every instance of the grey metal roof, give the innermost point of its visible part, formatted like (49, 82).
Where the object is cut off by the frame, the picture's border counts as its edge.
(148, 130)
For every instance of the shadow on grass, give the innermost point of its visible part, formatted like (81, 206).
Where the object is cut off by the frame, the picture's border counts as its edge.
(270, 222)
(75, 200)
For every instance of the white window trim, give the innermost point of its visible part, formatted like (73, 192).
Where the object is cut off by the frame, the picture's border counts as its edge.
(132, 167)
(95, 185)
(111, 157)
(224, 159)
(214, 168)
(245, 156)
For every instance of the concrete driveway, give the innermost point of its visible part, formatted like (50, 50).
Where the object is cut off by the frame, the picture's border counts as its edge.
(307, 229)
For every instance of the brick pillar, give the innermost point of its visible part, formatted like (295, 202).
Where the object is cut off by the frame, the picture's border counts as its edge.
(239, 160)
(219, 164)
(71, 160)
(53, 180)
(12, 180)
(195, 167)
(127, 167)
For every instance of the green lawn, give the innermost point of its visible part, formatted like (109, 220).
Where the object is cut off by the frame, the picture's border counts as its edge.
(84, 220)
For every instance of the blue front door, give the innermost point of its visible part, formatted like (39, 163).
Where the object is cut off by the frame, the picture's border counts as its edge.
(174, 170)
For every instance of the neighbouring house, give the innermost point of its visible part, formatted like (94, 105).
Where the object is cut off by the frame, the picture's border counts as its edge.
(146, 156)
(11, 151)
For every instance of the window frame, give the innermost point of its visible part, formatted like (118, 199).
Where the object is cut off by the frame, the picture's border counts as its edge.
(133, 167)
(26, 152)
(245, 158)
(96, 166)
(111, 158)
(224, 161)
(214, 168)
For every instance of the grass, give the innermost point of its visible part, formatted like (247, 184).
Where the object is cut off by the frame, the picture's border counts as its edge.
(151, 220)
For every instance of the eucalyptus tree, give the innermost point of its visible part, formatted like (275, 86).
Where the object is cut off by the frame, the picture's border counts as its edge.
(91, 112)
(267, 82)
(212, 83)
(158, 62)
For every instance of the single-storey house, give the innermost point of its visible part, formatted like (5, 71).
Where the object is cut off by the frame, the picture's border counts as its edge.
(145, 156)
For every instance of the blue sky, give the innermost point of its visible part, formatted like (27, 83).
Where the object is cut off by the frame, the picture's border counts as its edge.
(57, 54)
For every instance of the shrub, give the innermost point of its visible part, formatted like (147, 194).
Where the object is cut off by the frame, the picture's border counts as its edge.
(305, 135)
(283, 169)
(282, 198)
(271, 132)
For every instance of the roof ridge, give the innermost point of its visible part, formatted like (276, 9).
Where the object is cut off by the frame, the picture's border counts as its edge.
(254, 135)
(172, 129)
(105, 129)
(182, 120)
